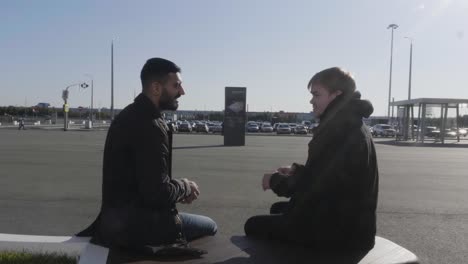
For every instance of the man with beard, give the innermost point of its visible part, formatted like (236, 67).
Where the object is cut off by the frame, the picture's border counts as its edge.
(139, 195)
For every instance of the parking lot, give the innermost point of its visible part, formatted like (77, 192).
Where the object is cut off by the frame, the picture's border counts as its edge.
(50, 184)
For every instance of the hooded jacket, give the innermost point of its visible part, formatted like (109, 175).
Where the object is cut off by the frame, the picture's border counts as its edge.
(334, 195)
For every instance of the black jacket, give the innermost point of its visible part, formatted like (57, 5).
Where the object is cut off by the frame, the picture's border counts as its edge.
(138, 194)
(334, 195)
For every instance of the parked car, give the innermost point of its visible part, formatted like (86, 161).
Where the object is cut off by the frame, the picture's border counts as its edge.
(383, 130)
(283, 129)
(185, 127)
(432, 131)
(275, 125)
(172, 126)
(293, 127)
(462, 132)
(312, 126)
(201, 127)
(300, 129)
(306, 123)
(448, 133)
(253, 127)
(215, 127)
(266, 128)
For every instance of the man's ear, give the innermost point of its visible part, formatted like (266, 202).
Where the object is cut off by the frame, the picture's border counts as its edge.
(336, 93)
(156, 88)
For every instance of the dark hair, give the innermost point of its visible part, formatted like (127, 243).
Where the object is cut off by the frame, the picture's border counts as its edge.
(334, 79)
(157, 69)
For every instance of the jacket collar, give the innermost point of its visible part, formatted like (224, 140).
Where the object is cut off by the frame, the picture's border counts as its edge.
(345, 111)
(343, 114)
(144, 104)
(348, 106)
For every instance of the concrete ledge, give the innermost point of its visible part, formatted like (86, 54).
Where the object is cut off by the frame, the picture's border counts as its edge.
(221, 250)
(94, 254)
(69, 245)
(451, 143)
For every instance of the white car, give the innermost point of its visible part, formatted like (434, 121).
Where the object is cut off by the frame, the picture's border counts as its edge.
(383, 130)
(266, 128)
(283, 129)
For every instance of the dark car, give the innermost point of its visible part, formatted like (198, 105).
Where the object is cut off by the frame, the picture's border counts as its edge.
(201, 127)
(432, 131)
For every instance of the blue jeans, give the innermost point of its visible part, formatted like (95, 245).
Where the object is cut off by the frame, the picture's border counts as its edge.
(196, 226)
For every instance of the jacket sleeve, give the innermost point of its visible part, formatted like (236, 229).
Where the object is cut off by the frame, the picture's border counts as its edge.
(156, 188)
(284, 185)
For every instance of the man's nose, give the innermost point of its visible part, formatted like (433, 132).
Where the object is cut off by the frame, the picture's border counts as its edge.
(182, 91)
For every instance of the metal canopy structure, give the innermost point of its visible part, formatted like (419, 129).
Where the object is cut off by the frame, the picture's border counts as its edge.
(407, 107)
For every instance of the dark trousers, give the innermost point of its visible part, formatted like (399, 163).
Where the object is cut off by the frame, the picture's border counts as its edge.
(270, 226)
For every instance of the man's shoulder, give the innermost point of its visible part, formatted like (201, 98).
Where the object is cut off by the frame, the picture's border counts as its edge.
(129, 116)
(358, 136)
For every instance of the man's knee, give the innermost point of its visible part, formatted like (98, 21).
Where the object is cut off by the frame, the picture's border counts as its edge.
(279, 208)
(213, 227)
(250, 226)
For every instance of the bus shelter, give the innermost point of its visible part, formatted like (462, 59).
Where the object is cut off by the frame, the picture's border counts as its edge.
(406, 118)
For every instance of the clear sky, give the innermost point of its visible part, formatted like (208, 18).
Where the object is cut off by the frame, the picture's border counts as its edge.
(271, 47)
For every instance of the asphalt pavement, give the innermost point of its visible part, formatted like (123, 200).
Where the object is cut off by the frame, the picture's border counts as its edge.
(50, 183)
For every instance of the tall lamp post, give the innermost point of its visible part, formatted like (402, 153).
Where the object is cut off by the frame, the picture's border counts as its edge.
(408, 126)
(112, 80)
(410, 66)
(393, 27)
(92, 97)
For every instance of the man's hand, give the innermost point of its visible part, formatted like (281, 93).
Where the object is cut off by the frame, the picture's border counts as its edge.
(195, 191)
(266, 181)
(285, 170)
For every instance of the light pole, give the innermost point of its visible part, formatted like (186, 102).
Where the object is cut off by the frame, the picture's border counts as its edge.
(112, 80)
(393, 27)
(92, 98)
(410, 66)
(409, 92)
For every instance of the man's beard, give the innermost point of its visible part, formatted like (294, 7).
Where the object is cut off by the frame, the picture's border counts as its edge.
(168, 103)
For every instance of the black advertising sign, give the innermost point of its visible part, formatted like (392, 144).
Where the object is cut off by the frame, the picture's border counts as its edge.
(234, 116)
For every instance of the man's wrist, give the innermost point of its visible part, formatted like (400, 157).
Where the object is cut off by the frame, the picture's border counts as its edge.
(273, 180)
(188, 188)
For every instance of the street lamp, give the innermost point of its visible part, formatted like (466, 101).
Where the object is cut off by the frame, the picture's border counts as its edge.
(92, 93)
(410, 66)
(393, 27)
(407, 117)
